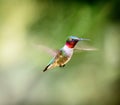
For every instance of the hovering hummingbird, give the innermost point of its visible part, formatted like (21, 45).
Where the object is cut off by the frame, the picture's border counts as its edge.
(64, 54)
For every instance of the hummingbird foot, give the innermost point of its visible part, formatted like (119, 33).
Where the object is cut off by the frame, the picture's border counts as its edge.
(62, 65)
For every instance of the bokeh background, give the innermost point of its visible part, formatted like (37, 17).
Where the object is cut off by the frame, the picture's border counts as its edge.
(90, 78)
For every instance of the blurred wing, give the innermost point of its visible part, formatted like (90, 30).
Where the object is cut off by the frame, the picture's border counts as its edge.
(84, 46)
(85, 49)
(46, 49)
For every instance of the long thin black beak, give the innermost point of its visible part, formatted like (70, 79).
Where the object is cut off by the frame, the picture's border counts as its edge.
(80, 39)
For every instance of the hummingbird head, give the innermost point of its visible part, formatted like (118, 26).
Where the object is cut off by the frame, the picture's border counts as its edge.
(72, 41)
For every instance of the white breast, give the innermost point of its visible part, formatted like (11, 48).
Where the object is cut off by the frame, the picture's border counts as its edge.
(68, 51)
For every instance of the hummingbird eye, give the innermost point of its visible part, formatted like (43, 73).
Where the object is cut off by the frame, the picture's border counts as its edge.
(70, 39)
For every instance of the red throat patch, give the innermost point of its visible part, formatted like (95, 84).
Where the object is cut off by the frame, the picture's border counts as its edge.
(71, 44)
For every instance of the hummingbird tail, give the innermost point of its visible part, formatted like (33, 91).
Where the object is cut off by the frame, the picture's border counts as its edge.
(46, 68)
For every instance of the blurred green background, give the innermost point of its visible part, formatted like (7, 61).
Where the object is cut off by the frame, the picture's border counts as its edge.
(90, 78)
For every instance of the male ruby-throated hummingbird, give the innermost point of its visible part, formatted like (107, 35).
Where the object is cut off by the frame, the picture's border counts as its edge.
(64, 54)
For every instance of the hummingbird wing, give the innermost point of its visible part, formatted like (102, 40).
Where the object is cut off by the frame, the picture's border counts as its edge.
(84, 47)
(50, 51)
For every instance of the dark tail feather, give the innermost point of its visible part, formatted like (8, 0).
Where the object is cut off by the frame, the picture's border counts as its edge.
(46, 68)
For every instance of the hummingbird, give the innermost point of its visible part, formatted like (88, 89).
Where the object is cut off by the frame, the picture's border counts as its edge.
(64, 54)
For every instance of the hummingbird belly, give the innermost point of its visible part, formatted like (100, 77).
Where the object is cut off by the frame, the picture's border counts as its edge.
(62, 60)
(59, 61)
